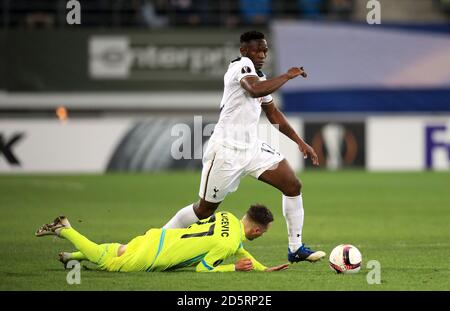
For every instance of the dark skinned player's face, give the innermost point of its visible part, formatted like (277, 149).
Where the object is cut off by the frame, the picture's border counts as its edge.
(256, 50)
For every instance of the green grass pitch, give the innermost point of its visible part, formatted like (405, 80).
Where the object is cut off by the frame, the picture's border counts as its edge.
(400, 219)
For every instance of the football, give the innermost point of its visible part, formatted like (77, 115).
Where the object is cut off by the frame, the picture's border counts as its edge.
(345, 258)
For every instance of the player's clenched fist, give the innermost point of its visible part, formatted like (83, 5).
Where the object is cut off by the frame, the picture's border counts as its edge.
(244, 264)
(295, 72)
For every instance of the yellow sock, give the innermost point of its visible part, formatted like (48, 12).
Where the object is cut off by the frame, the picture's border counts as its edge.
(95, 253)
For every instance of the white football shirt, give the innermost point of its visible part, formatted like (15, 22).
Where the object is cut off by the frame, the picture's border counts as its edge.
(239, 112)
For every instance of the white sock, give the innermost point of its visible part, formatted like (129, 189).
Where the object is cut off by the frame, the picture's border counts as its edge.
(184, 218)
(293, 213)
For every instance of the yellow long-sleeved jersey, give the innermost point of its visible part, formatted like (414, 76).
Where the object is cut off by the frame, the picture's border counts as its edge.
(205, 244)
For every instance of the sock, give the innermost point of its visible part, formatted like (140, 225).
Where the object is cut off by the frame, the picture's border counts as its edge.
(77, 256)
(293, 213)
(95, 253)
(184, 218)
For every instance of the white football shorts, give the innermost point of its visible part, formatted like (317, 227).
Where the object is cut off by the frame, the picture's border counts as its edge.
(223, 168)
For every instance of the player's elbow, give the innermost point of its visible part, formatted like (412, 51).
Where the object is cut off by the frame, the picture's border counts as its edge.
(254, 93)
(253, 90)
(201, 268)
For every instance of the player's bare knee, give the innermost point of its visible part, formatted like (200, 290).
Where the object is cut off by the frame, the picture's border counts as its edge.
(204, 212)
(293, 188)
(299, 184)
(195, 205)
(204, 209)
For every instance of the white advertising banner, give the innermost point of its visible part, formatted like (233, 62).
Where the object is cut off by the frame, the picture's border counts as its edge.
(54, 146)
(99, 145)
(408, 143)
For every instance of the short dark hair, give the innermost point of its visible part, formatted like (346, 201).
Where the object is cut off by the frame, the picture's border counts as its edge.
(251, 35)
(260, 214)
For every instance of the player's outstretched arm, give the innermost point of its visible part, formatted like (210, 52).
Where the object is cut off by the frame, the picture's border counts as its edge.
(246, 264)
(276, 117)
(213, 259)
(247, 261)
(257, 88)
(278, 268)
(243, 254)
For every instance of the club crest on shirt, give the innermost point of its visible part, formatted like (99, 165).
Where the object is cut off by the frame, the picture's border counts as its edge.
(246, 69)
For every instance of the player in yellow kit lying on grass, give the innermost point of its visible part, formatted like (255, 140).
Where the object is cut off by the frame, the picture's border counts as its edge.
(205, 244)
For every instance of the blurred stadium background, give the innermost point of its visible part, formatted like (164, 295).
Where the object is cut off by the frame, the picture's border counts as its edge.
(107, 96)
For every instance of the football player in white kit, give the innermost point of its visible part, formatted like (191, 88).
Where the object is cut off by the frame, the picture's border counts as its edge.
(235, 151)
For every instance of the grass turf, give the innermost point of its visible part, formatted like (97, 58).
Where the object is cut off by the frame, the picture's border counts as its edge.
(400, 219)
